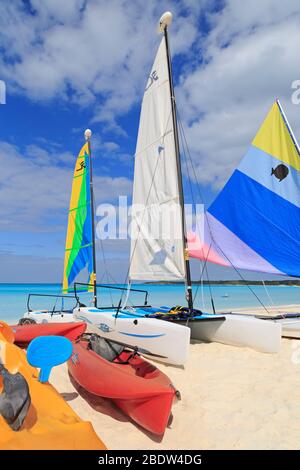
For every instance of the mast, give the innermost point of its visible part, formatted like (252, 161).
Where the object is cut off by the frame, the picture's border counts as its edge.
(87, 135)
(288, 126)
(164, 22)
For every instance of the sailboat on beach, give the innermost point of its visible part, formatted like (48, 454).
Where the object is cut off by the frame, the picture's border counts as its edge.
(150, 334)
(253, 223)
(157, 192)
(158, 189)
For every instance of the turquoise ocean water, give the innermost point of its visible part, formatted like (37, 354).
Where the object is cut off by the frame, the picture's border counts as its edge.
(13, 297)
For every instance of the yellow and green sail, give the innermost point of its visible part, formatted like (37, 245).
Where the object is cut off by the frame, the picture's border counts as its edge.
(79, 241)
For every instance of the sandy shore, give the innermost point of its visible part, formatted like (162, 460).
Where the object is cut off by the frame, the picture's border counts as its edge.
(271, 310)
(232, 398)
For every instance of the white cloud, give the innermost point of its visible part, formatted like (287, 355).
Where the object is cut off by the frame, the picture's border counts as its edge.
(35, 191)
(99, 52)
(240, 19)
(69, 10)
(111, 146)
(87, 51)
(249, 60)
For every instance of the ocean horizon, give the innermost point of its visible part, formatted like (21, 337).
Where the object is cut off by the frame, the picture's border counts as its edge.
(13, 297)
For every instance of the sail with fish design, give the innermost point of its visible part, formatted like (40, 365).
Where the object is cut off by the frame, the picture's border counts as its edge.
(254, 222)
(79, 240)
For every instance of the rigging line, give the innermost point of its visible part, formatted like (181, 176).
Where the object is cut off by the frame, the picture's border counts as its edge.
(114, 280)
(189, 179)
(211, 234)
(267, 292)
(140, 225)
(59, 291)
(269, 297)
(290, 130)
(89, 292)
(185, 152)
(202, 294)
(106, 272)
(209, 284)
(202, 271)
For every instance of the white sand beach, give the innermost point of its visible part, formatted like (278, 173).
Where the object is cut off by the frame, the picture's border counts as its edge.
(269, 310)
(232, 398)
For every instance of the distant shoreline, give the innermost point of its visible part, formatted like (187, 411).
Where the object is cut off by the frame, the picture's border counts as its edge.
(287, 282)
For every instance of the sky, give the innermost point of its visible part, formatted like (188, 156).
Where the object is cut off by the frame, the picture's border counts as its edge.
(84, 63)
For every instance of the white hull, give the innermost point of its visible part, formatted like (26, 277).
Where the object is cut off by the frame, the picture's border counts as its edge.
(290, 322)
(40, 316)
(157, 336)
(237, 330)
(290, 329)
(240, 330)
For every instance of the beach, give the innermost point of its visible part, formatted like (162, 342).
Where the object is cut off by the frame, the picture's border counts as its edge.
(231, 398)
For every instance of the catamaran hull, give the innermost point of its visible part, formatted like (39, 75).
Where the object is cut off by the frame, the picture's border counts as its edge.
(290, 325)
(169, 340)
(240, 330)
(290, 322)
(290, 329)
(38, 316)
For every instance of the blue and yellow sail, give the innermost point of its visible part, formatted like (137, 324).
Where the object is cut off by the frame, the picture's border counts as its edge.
(79, 240)
(254, 221)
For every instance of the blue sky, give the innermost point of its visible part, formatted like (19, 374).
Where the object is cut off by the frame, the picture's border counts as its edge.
(77, 64)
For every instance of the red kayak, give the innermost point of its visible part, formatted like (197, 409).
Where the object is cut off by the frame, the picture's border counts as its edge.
(26, 333)
(137, 387)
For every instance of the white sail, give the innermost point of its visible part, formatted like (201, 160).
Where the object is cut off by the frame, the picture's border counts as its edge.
(157, 248)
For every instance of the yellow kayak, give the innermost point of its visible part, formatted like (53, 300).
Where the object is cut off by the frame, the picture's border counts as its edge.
(50, 423)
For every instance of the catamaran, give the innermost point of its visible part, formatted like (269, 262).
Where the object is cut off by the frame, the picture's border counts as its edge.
(157, 192)
(151, 335)
(167, 259)
(253, 223)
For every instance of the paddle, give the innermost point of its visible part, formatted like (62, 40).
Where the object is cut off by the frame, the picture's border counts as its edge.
(128, 346)
(46, 352)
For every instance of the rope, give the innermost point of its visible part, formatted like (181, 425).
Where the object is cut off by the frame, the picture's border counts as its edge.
(269, 296)
(211, 234)
(106, 272)
(185, 153)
